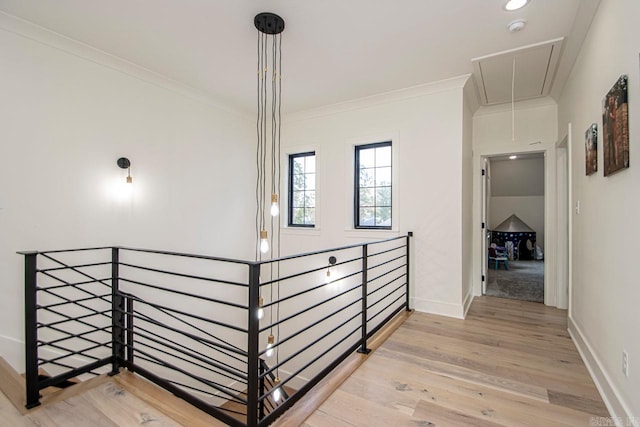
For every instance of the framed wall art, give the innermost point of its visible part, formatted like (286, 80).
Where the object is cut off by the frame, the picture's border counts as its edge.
(615, 128)
(591, 149)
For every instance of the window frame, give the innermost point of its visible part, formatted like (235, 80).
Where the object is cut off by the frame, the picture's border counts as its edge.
(290, 207)
(356, 183)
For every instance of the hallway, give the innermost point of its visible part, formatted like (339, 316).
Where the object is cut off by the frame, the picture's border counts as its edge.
(509, 363)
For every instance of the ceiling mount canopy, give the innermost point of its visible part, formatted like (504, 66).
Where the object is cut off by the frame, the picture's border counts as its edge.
(269, 23)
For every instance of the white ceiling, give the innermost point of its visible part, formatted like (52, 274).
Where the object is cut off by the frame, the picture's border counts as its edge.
(333, 50)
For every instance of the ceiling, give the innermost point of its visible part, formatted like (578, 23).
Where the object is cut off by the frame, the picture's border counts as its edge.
(333, 50)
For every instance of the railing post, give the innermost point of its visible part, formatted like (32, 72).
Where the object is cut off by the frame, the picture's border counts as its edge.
(252, 346)
(117, 317)
(363, 346)
(129, 310)
(261, 412)
(31, 328)
(409, 236)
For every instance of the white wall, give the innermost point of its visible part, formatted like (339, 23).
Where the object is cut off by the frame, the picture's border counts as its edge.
(426, 126)
(470, 105)
(536, 130)
(68, 113)
(604, 316)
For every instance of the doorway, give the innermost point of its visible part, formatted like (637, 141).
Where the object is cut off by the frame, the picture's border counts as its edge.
(514, 218)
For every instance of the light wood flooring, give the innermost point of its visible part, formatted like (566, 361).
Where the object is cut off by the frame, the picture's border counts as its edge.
(509, 363)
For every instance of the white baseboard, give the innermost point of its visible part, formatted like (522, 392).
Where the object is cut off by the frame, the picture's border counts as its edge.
(467, 302)
(12, 350)
(438, 307)
(618, 409)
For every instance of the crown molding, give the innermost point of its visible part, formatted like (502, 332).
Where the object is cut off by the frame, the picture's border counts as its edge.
(29, 30)
(446, 85)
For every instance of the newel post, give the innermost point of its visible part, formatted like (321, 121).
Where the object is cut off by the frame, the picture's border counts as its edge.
(31, 327)
(363, 345)
(252, 346)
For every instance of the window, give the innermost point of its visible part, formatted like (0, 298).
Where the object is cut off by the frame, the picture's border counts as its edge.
(302, 189)
(373, 186)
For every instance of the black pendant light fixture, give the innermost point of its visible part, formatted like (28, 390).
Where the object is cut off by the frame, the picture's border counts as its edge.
(270, 27)
(269, 88)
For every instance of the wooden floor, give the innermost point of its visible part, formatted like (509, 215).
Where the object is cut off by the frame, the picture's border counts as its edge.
(509, 363)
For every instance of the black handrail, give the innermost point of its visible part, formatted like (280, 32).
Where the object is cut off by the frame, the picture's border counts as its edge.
(207, 342)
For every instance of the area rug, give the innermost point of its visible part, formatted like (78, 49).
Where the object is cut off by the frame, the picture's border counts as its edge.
(523, 281)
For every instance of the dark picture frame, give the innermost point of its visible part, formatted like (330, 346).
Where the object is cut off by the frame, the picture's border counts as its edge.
(615, 128)
(591, 149)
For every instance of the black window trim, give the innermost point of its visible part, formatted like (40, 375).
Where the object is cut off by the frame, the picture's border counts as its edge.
(290, 195)
(356, 185)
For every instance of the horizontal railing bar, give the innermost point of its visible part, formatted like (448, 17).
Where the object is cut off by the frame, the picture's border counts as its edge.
(306, 328)
(62, 250)
(162, 363)
(387, 284)
(208, 343)
(186, 255)
(73, 267)
(184, 313)
(204, 341)
(77, 302)
(320, 286)
(67, 284)
(70, 352)
(309, 308)
(173, 367)
(190, 398)
(64, 365)
(311, 344)
(188, 294)
(386, 320)
(151, 347)
(75, 353)
(179, 384)
(403, 295)
(193, 354)
(80, 272)
(72, 319)
(187, 276)
(197, 328)
(314, 360)
(387, 273)
(387, 250)
(71, 336)
(387, 262)
(324, 251)
(402, 285)
(52, 381)
(293, 276)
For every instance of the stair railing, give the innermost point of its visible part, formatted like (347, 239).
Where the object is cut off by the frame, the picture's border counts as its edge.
(240, 340)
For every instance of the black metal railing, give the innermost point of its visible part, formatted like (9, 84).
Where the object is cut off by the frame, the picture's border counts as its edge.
(241, 340)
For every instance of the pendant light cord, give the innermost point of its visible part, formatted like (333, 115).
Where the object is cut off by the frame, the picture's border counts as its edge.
(513, 102)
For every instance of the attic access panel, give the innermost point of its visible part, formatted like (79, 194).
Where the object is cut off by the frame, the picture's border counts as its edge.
(535, 71)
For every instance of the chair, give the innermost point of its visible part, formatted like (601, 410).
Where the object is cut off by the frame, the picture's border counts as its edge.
(497, 256)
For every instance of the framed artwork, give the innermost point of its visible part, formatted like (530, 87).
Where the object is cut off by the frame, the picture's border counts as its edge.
(591, 149)
(615, 124)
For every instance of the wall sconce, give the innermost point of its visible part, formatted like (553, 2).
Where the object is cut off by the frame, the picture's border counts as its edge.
(332, 261)
(124, 163)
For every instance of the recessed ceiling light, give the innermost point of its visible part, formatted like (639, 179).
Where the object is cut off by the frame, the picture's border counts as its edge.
(513, 157)
(515, 4)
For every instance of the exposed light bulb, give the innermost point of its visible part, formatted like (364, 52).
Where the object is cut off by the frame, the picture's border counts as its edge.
(260, 310)
(513, 157)
(275, 209)
(270, 341)
(327, 278)
(277, 393)
(264, 243)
